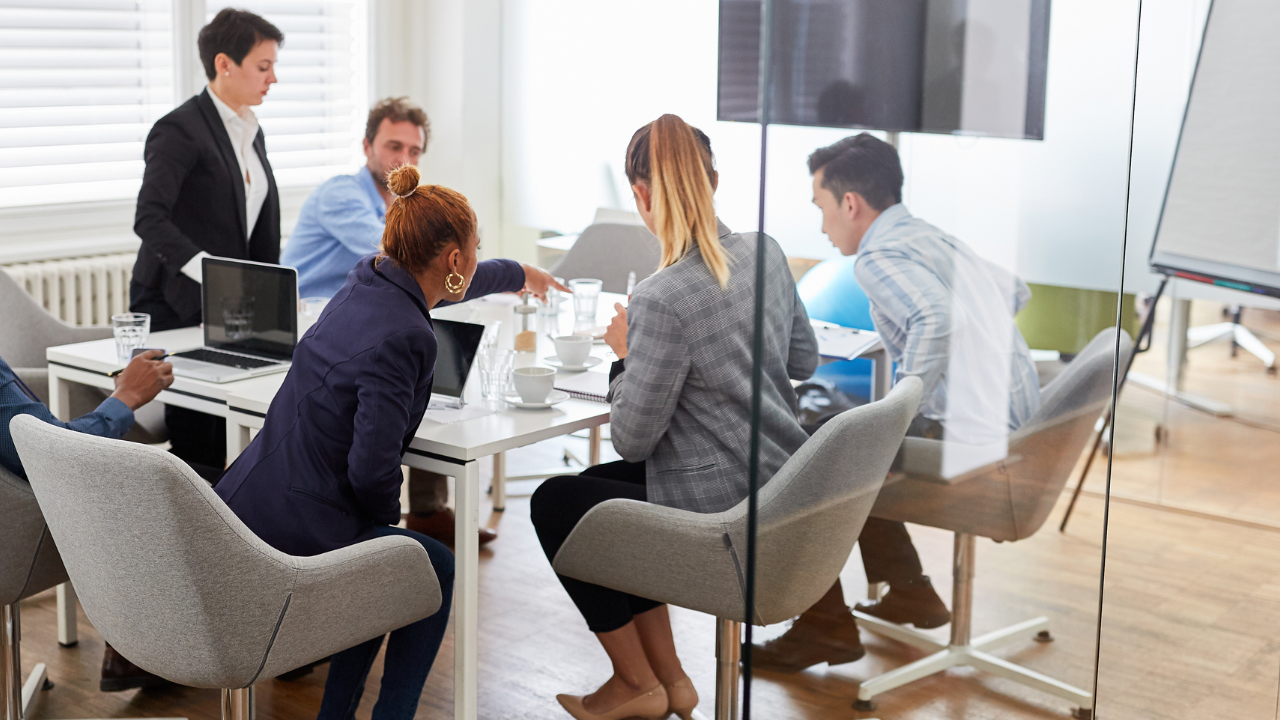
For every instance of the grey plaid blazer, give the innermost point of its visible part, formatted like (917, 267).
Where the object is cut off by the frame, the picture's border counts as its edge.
(683, 402)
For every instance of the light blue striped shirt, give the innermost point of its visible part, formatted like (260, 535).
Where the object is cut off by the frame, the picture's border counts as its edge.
(946, 316)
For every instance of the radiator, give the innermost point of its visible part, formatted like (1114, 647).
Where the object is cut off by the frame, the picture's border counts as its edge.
(80, 291)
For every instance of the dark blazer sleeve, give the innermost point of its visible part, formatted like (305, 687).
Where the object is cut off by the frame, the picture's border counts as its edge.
(170, 154)
(385, 389)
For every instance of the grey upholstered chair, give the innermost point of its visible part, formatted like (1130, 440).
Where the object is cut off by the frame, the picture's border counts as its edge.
(29, 564)
(1006, 501)
(27, 330)
(810, 515)
(172, 578)
(610, 251)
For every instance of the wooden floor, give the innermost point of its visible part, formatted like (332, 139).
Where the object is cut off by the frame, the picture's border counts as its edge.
(1191, 626)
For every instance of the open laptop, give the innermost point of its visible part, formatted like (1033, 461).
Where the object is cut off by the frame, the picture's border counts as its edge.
(250, 322)
(456, 344)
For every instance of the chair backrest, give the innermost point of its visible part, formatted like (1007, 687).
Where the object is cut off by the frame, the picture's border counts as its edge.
(29, 562)
(1044, 451)
(164, 570)
(812, 510)
(609, 251)
(27, 330)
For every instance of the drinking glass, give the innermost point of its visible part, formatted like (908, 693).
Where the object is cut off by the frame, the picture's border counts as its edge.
(495, 369)
(131, 331)
(586, 298)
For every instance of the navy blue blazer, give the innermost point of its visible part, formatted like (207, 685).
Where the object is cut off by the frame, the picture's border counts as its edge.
(325, 469)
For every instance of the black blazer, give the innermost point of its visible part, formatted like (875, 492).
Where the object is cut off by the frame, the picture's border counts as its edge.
(192, 199)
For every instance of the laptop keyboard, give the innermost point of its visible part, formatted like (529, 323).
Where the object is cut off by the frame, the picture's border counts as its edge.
(224, 358)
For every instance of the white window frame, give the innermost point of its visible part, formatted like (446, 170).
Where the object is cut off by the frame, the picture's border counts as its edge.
(58, 230)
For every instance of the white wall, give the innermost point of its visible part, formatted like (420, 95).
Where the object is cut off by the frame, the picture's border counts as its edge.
(580, 76)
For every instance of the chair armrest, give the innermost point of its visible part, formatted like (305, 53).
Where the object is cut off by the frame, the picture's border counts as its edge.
(347, 596)
(669, 555)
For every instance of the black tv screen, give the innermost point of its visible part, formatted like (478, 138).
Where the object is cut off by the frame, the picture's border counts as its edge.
(971, 67)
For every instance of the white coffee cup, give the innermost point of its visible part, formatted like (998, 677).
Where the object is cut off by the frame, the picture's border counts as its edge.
(534, 383)
(573, 350)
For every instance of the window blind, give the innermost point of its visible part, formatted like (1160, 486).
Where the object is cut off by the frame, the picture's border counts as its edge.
(81, 82)
(313, 118)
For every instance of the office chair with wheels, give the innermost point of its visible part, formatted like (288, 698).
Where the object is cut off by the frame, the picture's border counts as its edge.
(1006, 501)
(177, 583)
(810, 514)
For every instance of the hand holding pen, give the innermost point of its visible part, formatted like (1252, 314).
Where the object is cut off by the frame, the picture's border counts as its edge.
(142, 379)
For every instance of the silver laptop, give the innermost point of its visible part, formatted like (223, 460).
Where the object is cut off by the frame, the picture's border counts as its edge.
(250, 322)
(456, 344)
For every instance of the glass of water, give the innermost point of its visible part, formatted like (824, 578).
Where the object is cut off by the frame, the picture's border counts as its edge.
(586, 298)
(495, 368)
(131, 331)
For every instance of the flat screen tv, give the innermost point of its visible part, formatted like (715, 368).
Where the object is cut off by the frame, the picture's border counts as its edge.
(969, 67)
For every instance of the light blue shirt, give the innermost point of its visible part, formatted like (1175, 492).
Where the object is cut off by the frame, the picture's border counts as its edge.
(340, 223)
(945, 315)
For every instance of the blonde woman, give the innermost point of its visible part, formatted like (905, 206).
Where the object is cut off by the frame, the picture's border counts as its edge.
(681, 403)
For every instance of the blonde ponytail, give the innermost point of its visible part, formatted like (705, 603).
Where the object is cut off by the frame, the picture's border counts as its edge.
(675, 160)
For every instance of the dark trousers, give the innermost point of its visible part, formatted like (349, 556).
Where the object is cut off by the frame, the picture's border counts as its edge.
(888, 554)
(410, 653)
(558, 505)
(198, 439)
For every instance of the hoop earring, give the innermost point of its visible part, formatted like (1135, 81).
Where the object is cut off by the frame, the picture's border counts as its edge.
(454, 286)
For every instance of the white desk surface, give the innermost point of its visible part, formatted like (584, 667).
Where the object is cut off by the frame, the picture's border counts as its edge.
(506, 429)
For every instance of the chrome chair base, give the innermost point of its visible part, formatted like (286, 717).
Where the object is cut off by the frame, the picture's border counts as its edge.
(964, 651)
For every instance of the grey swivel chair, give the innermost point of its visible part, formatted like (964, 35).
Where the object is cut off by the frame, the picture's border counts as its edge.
(29, 563)
(27, 330)
(172, 578)
(1006, 501)
(610, 251)
(810, 515)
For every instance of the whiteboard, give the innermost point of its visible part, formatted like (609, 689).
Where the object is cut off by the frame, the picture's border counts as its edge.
(1220, 222)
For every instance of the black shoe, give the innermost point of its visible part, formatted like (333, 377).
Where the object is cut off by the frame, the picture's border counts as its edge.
(119, 674)
(914, 603)
(811, 640)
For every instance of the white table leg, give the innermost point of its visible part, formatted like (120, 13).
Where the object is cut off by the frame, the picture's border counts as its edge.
(466, 590)
(593, 447)
(237, 439)
(59, 395)
(67, 632)
(499, 481)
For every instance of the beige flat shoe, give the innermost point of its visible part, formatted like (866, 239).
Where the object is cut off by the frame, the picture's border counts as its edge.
(682, 698)
(651, 705)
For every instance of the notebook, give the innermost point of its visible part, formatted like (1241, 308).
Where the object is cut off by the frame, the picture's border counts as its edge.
(590, 385)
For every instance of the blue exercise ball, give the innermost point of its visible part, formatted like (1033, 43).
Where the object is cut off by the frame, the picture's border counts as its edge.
(831, 294)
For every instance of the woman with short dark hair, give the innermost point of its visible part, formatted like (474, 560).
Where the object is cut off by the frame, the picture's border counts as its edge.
(207, 191)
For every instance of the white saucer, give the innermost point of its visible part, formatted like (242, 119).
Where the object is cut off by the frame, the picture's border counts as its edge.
(554, 361)
(556, 396)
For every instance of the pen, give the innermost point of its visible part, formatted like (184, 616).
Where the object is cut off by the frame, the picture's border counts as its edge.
(631, 283)
(116, 373)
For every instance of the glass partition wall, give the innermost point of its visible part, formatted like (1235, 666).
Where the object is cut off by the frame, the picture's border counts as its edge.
(1189, 616)
(947, 187)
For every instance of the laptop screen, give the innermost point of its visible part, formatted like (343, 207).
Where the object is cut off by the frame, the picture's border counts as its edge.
(250, 307)
(456, 344)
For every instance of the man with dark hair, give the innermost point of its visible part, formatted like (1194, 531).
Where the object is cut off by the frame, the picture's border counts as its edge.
(342, 222)
(945, 315)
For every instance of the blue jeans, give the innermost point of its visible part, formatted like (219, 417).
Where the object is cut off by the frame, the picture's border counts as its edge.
(410, 653)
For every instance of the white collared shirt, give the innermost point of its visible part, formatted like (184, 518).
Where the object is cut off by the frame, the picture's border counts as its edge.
(241, 130)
